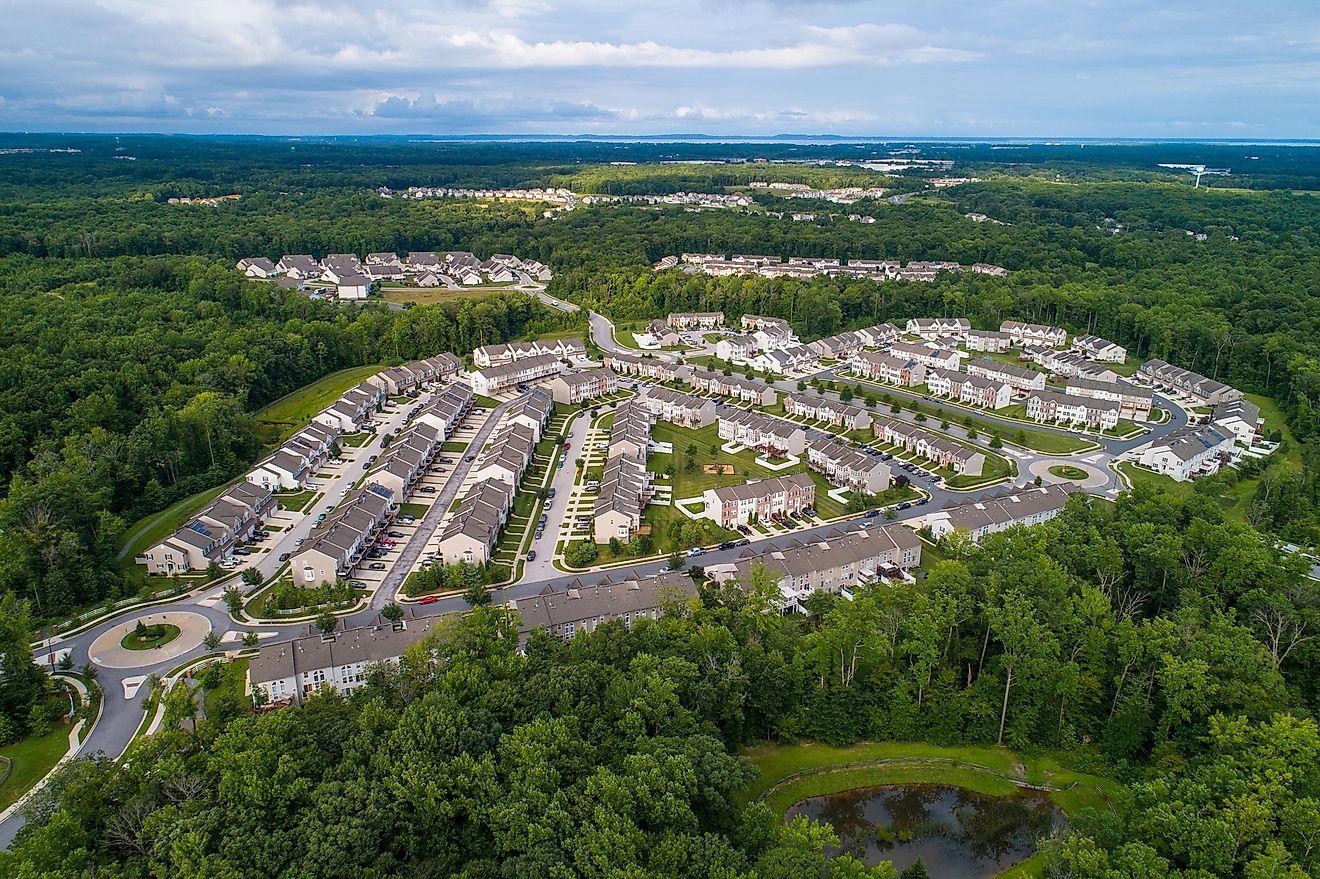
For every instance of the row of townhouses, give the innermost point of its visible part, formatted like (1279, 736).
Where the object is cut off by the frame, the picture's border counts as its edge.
(1026, 505)
(625, 485)
(1067, 364)
(703, 320)
(1204, 390)
(972, 390)
(811, 267)
(495, 379)
(627, 597)
(675, 407)
(337, 544)
(765, 433)
(848, 467)
(572, 388)
(1039, 334)
(354, 277)
(832, 412)
(646, 367)
(1073, 411)
(1192, 450)
(212, 534)
(743, 389)
(961, 459)
(927, 355)
(732, 505)
(1134, 402)
(1017, 377)
(509, 352)
(835, 564)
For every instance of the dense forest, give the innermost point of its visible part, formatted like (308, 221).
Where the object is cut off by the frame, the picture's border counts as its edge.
(1147, 639)
(129, 383)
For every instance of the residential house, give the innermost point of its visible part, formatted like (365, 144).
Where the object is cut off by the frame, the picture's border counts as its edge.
(509, 455)
(1240, 418)
(849, 468)
(630, 432)
(840, 346)
(1204, 390)
(1014, 376)
(353, 287)
(257, 267)
(765, 433)
(736, 348)
(617, 596)
(902, 371)
(733, 386)
(733, 505)
(880, 335)
(529, 369)
(989, 341)
(301, 267)
(1039, 334)
(705, 320)
(1096, 348)
(1051, 406)
(832, 412)
(625, 490)
(985, 268)
(1134, 402)
(473, 529)
(212, 534)
(336, 545)
(685, 410)
(928, 355)
(532, 411)
(932, 328)
(646, 367)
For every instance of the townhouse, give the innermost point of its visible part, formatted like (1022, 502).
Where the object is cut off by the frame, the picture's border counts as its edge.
(961, 459)
(765, 433)
(832, 412)
(736, 348)
(932, 328)
(927, 355)
(281, 470)
(902, 371)
(1040, 334)
(288, 672)
(969, 389)
(646, 367)
(409, 455)
(1204, 390)
(887, 268)
(1240, 419)
(685, 410)
(302, 267)
(1096, 348)
(447, 411)
(495, 379)
(532, 411)
(657, 334)
(630, 432)
(989, 341)
(706, 320)
(257, 267)
(1026, 506)
(849, 468)
(1134, 402)
(845, 560)
(625, 490)
(744, 389)
(840, 346)
(1051, 406)
(1190, 451)
(985, 268)
(352, 410)
(508, 456)
(510, 352)
(733, 505)
(577, 387)
(1071, 363)
(473, 529)
(336, 545)
(1016, 377)
(211, 535)
(770, 332)
(577, 607)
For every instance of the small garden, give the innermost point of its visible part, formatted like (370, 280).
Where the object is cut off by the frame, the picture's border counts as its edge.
(149, 637)
(1067, 471)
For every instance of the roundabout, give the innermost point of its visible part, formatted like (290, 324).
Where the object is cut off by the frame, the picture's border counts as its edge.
(168, 635)
(1056, 471)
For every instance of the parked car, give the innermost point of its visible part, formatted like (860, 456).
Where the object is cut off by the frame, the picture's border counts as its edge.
(865, 523)
(695, 551)
(284, 556)
(469, 457)
(745, 530)
(428, 599)
(427, 489)
(446, 460)
(395, 534)
(539, 534)
(376, 566)
(544, 518)
(743, 542)
(923, 502)
(870, 514)
(550, 495)
(242, 550)
(728, 544)
(905, 506)
(407, 518)
(298, 542)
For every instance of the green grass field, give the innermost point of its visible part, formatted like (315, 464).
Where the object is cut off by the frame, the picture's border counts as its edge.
(150, 530)
(31, 759)
(290, 413)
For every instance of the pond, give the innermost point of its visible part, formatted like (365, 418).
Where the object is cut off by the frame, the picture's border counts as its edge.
(955, 832)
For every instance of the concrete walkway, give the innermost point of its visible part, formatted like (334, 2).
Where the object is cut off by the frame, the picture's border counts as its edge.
(107, 651)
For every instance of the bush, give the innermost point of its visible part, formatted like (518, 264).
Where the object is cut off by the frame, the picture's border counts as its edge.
(581, 553)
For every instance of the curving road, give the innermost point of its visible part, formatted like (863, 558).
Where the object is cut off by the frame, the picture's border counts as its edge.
(122, 714)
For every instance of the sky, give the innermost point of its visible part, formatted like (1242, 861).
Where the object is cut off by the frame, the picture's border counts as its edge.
(993, 68)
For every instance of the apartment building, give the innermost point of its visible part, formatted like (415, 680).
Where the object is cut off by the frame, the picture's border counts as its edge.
(844, 561)
(495, 379)
(733, 505)
(1096, 348)
(794, 358)
(928, 355)
(686, 320)
(577, 387)
(1018, 377)
(1026, 505)
(627, 597)
(743, 389)
(989, 341)
(1039, 334)
(1053, 407)
(685, 410)
(849, 468)
(765, 433)
(932, 328)
(1190, 451)
(1134, 402)
(770, 332)
(832, 412)
(473, 529)
(498, 355)
(963, 460)
(840, 346)
(1204, 390)
(336, 545)
(646, 367)
(880, 335)
(902, 371)
(288, 672)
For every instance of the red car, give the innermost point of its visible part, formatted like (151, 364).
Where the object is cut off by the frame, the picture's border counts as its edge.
(430, 599)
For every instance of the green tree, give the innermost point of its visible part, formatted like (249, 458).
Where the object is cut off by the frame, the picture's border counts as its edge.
(327, 622)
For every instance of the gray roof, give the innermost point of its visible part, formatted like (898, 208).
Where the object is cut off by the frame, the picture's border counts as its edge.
(762, 487)
(376, 643)
(612, 596)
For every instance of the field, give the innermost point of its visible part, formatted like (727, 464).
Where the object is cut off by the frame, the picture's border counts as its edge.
(282, 418)
(30, 760)
(433, 295)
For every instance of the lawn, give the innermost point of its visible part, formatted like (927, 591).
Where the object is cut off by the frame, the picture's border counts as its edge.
(411, 509)
(297, 500)
(453, 446)
(30, 759)
(277, 421)
(231, 682)
(433, 295)
(1066, 471)
(151, 637)
(692, 483)
(1234, 503)
(150, 530)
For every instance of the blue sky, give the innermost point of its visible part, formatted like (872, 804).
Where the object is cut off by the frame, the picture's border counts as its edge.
(1067, 68)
